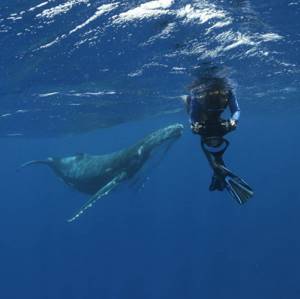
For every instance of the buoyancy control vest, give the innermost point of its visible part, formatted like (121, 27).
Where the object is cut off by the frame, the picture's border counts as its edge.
(212, 104)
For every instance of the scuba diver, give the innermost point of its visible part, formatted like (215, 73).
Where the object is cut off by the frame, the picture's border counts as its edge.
(209, 98)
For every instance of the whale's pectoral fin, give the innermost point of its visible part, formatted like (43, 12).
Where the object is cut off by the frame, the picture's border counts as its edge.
(48, 162)
(102, 192)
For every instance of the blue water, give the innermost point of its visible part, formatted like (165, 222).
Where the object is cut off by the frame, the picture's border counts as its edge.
(101, 87)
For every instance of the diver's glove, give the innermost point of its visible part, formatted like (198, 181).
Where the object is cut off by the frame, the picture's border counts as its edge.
(232, 124)
(229, 125)
(197, 127)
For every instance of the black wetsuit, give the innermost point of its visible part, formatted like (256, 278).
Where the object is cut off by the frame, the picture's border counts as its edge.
(206, 111)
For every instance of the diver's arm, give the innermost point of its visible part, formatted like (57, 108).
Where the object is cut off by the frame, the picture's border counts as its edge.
(194, 108)
(187, 102)
(193, 111)
(234, 108)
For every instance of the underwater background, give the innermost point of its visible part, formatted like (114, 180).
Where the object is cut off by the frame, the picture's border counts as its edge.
(96, 76)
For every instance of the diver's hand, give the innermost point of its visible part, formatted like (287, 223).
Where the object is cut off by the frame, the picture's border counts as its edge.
(196, 127)
(232, 123)
(229, 125)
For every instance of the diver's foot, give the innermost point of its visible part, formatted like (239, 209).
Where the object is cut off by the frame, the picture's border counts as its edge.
(216, 184)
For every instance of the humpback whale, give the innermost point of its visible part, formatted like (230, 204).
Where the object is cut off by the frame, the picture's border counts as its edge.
(97, 175)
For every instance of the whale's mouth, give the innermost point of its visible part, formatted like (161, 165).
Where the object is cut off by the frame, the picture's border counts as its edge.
(174, 131)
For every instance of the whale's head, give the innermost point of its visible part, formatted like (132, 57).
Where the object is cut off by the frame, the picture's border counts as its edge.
(171, 132)
(155, 143)
(162, 136)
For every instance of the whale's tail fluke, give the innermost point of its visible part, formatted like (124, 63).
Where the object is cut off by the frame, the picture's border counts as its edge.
(48, 162)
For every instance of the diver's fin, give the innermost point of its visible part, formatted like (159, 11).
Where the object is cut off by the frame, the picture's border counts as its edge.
(239, 189)
(102, 192)
(236, 186)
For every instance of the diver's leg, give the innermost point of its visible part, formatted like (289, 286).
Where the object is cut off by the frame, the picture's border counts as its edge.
(218, 157)
(214, 155)
(215, 158)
